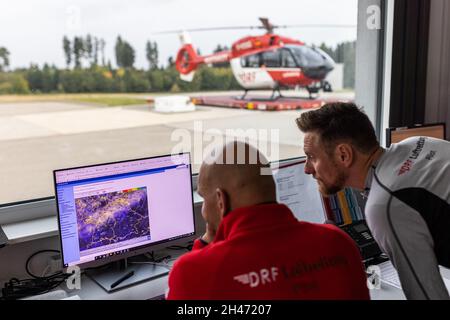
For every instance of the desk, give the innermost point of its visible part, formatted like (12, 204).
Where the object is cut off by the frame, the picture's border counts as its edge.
(151, 289)
(90, 290)
(157, 287)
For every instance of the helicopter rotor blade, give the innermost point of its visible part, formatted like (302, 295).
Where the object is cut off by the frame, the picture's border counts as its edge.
(209, 29)
(331, 26)
(266, 26)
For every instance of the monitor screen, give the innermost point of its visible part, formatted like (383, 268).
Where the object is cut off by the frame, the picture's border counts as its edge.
(395, 135)
(299, 192)
(110, 211)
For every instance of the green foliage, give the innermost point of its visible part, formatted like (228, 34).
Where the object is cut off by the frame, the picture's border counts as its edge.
(88, 47)
(110, 101)
(13, 83)
(136, 81)
(4, 58)
(151, 53)
(96, 79)
(78, 49)
(125, 54)
(67, 50)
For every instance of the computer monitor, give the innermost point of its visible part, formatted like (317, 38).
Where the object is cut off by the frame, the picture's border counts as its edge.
(112, 211)
(298, 191)
(394, 135)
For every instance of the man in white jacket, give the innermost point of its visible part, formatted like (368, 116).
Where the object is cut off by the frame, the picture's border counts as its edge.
(407, 188)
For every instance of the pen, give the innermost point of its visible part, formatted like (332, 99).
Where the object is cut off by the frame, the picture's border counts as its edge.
(125, 277)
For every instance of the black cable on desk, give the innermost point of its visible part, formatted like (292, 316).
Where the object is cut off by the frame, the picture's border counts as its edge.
(17, 289)
(188, 247)
(35, 254)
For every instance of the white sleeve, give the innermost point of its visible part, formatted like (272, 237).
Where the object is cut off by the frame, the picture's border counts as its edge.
(404, 236)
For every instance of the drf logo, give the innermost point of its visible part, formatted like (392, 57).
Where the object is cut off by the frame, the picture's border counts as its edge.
(255, 278)
(74, 280)
(373, 277)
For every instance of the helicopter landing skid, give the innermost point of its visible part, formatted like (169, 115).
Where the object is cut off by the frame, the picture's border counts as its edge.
(276, 95)
(258, 103)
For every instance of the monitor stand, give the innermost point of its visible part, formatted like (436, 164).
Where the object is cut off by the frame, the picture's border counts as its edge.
(112, 274)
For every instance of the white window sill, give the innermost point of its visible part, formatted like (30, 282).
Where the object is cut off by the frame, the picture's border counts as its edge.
(31, 230)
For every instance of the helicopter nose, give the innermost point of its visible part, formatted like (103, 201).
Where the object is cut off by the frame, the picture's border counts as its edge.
(319, 72)
(328, 65)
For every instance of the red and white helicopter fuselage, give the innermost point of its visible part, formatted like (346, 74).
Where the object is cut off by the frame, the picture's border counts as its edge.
(263, 62)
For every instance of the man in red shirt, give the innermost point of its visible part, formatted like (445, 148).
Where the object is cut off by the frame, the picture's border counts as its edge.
(254, 248)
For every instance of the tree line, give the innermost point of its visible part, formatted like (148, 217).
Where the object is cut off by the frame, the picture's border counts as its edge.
(88, 71)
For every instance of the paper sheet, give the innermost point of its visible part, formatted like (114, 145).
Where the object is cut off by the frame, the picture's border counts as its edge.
(300, 193)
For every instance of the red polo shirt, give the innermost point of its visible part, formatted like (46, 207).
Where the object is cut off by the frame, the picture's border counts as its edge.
(264, 252)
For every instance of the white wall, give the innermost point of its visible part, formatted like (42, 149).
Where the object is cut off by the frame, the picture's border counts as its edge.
(336, 77)
(438, 76)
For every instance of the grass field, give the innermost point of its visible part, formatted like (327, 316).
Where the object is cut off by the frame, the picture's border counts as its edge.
(107, 99)
(123, 99)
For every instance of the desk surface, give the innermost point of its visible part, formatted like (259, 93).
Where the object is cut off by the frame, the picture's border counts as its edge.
(157, 287)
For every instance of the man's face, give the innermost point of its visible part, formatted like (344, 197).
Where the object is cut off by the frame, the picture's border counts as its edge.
(210, 211)
(325, 169)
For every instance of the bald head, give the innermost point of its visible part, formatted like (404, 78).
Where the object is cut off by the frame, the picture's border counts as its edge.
(237, 171)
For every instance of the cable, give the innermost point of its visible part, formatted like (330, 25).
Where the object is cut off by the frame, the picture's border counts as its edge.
(151, 256)
(16, 289)
(188, 247)
(165, 265)
(27, 263)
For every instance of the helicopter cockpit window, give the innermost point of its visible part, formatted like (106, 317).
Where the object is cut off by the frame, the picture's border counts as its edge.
(251, 61)
(287, 60)
(271, 59)
(307, 57)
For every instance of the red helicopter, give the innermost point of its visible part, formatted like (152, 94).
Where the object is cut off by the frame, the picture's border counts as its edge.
(267, 61)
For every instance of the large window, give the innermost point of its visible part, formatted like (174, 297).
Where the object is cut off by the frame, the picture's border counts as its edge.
(77, 81)
(271, 59)
(287, 59)
(251, 61)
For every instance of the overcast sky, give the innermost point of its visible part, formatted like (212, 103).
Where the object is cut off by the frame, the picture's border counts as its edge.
(32, 30)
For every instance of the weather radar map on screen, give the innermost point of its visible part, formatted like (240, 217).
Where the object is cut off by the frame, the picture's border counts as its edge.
(112, 217)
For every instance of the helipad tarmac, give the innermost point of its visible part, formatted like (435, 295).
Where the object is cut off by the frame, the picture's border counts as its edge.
(38, 137)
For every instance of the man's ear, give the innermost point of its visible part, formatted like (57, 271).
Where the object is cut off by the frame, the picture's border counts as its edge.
(222, 202)
(344, 154)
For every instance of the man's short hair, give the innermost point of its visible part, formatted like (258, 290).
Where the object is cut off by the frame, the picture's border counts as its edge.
(340, 122)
